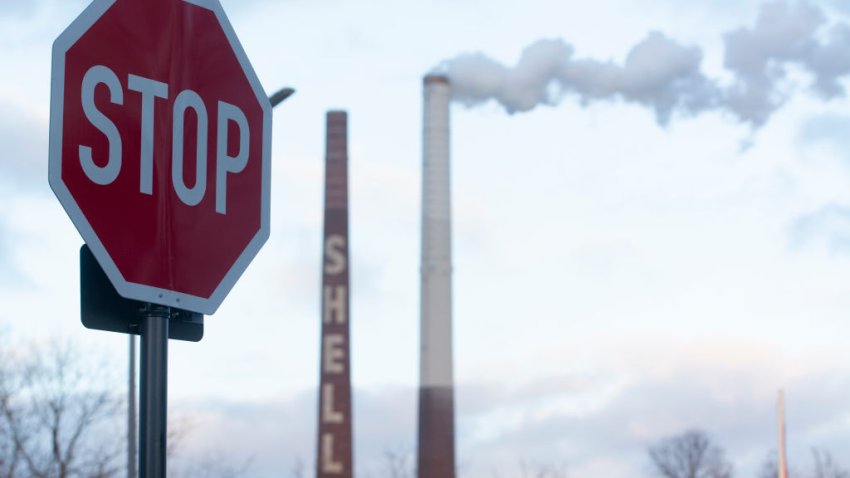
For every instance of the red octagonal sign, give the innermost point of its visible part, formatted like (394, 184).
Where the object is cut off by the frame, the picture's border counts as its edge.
(160, 143)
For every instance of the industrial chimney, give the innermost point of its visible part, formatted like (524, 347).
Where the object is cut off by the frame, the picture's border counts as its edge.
(436, 447)
(334, 450)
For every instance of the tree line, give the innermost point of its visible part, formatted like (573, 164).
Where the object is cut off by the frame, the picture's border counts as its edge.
(693, 454)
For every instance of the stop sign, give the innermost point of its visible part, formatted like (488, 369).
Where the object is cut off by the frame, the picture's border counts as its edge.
(160, 143)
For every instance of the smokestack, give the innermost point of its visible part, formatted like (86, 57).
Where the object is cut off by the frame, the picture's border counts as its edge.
(782, 467)
(436, 448)
(334, 450)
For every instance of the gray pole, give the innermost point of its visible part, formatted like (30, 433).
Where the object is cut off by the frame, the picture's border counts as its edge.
(154, 396)
(131, 413)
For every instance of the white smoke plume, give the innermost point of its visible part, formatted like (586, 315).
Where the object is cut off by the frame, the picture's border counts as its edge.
(666, 76)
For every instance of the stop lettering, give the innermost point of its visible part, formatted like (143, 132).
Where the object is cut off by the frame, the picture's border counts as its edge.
(187, 100)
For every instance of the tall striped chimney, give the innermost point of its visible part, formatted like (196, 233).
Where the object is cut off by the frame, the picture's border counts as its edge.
(334, 450)
(436, 447)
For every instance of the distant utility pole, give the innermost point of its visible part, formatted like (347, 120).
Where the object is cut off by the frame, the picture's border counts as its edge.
(782, 468)
(131, 412)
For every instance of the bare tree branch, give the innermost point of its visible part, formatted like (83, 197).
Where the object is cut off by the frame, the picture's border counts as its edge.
(398, 463)
(298, 469)
(689, 455)
(53, 409)
(826, 467)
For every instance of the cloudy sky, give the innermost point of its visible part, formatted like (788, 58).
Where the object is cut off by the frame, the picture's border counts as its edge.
(652, 228)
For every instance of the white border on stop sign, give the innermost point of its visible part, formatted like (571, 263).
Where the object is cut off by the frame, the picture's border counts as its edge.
(127, 289)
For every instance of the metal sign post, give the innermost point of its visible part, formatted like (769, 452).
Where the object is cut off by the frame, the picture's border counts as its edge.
(103, 308)
(154, 391)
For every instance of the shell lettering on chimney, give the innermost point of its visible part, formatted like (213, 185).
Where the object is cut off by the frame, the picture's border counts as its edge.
(334, 443)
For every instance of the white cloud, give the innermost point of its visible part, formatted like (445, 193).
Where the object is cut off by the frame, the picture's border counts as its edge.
(829, 130)
(839, 5)
(10, 276)
(24, 140)
(830, 225)
(18, 8)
